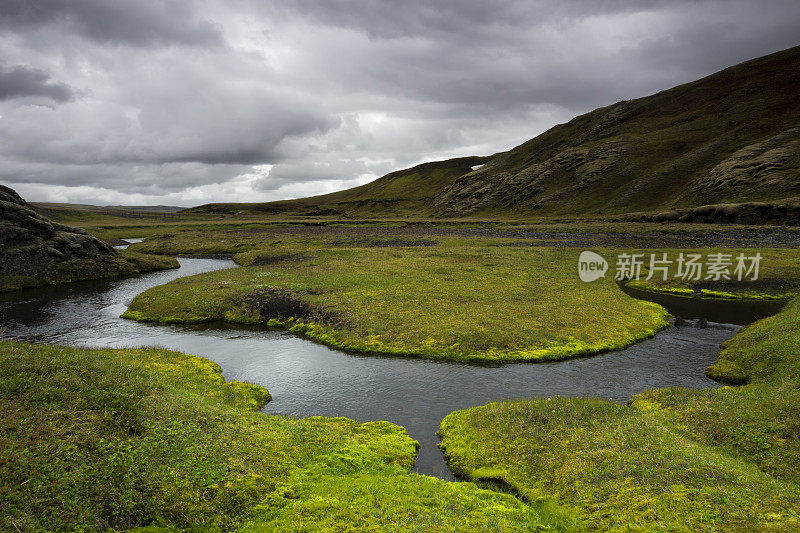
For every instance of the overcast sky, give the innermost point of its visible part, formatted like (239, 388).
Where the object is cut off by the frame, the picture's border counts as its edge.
(188, 102)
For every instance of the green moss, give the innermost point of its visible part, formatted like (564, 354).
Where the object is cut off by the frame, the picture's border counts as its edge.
(749, 295)
(134, 315)
(679, 291)
(767, 351)
(619, 468)
(727, 372)
(742, 294)
(465, 300)
(253, 396)
(353, 503)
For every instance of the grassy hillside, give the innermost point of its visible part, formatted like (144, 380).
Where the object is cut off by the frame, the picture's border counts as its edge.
(730, 138)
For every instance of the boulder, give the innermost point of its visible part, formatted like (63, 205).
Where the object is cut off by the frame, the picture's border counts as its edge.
(33, 247)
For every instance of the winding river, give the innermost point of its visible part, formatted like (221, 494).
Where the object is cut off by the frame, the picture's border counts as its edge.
(306, 378)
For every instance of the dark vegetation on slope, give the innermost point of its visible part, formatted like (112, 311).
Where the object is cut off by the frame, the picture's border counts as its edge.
(730, 138)
(780, 212)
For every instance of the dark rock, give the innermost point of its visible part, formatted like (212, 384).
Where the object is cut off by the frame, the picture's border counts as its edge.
(701, 323)
(680, 322)
(7, 194)
(38, 248)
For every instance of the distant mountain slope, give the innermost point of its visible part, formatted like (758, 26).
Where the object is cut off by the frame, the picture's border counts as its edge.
(731, 137)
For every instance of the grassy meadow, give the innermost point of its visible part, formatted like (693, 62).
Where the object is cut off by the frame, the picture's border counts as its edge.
(439, 292)
(462, 299)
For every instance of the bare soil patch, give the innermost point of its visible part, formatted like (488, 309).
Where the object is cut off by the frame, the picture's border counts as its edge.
(283, 304)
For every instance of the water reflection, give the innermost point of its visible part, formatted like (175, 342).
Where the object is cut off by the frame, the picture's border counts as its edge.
(740, 312)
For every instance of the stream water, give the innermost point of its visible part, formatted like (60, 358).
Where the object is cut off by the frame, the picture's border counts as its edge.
(306, 379)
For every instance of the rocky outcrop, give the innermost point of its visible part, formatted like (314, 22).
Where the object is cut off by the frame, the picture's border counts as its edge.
(36, 251)
(574, 169)
(756, 167)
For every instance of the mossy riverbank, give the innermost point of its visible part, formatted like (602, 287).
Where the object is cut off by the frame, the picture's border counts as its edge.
(118, 439)
(465, 293)
(673, 459)
(746, 294)
(114, 440)
(777, 277)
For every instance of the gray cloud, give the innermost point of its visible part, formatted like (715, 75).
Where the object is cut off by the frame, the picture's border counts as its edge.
(166, 114)
(127, 177)
(189, 102)
(285, 173)
(465, 20)
(136, 22)
(574, 53)
(20, 81)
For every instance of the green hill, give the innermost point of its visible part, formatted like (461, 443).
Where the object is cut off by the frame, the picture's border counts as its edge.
(730, 138)
(400, 193)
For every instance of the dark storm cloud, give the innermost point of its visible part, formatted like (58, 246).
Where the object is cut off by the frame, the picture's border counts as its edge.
(164, 114)
(20, 81)
(136, 22)
(187, 102)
